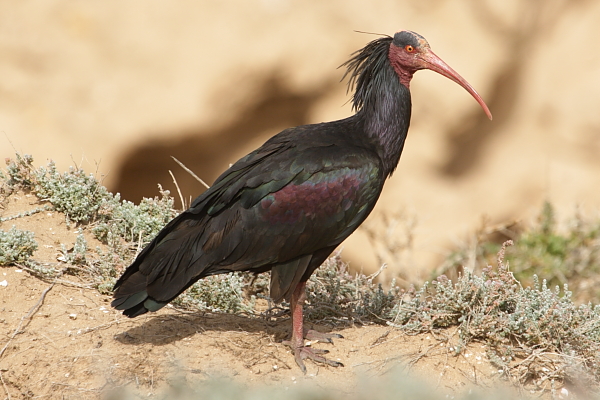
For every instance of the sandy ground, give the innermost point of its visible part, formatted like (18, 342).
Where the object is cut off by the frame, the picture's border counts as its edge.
(75, 346)
(62, 340)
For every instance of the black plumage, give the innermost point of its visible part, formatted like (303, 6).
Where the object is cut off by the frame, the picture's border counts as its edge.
(287, 205)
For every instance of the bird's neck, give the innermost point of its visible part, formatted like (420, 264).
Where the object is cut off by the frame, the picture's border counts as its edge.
(386, 118)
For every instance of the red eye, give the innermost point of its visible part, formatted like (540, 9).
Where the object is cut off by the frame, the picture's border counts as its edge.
(409, 48)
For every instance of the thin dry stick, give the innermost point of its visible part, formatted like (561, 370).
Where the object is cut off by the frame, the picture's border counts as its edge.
(95, 328)
(5, 388)
(183, 206)
(56, 280)
(189, 171)
(28, 316)
(140, 243)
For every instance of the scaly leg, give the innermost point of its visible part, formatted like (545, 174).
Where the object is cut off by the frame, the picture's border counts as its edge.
(302, 352)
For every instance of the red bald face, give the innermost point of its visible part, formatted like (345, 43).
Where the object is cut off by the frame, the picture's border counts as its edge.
(410, 52)
(406, 53)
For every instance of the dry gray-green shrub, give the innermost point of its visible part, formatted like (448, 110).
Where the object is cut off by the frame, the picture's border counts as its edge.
(16, 246)
(333, 293)
(109, 265)
(134, 223)
(220, 293)
(74, 193)
(76, 255)
(121, 225)
(18, 173)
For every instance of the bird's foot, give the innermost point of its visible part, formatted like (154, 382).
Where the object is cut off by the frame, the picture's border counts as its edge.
(322, 337)
(301, 353)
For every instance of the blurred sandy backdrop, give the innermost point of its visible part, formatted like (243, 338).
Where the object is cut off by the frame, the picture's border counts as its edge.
(120, 86)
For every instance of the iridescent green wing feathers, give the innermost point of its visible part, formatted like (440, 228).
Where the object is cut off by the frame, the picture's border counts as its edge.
(268, 210)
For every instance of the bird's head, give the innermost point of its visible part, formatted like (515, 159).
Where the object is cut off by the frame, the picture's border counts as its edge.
(410, 52)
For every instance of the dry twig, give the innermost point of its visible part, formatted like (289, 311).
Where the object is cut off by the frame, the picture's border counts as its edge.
(183, 205)
(4, 386)
(189, 171)
(28, 316)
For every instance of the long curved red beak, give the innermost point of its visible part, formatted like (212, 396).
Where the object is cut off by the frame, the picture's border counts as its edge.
(434, 63)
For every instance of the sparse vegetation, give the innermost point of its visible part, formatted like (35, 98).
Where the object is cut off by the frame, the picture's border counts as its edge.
(121, 225)
(534, 333)
(84, 200)
(562, 253)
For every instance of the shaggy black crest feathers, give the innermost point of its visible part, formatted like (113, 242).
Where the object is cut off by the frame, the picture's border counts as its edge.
(364, 67)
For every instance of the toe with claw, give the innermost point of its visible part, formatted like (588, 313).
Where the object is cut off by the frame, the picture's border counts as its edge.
(322, 337)
(302, 353)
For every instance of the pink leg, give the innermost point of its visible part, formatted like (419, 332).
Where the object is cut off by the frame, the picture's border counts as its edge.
(302, 352)
(298, 299)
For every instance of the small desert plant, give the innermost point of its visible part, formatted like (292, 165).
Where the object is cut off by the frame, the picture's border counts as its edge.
(333, 293)
(18, 173)
(74, 193)
(121, 225)
(221, 293)
(76, 255)
(16, 246)
(134, 223)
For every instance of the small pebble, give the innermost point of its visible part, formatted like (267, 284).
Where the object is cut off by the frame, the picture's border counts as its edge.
(73, 316)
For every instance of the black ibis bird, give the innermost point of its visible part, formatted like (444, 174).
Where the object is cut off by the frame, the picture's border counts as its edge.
(287, 205)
